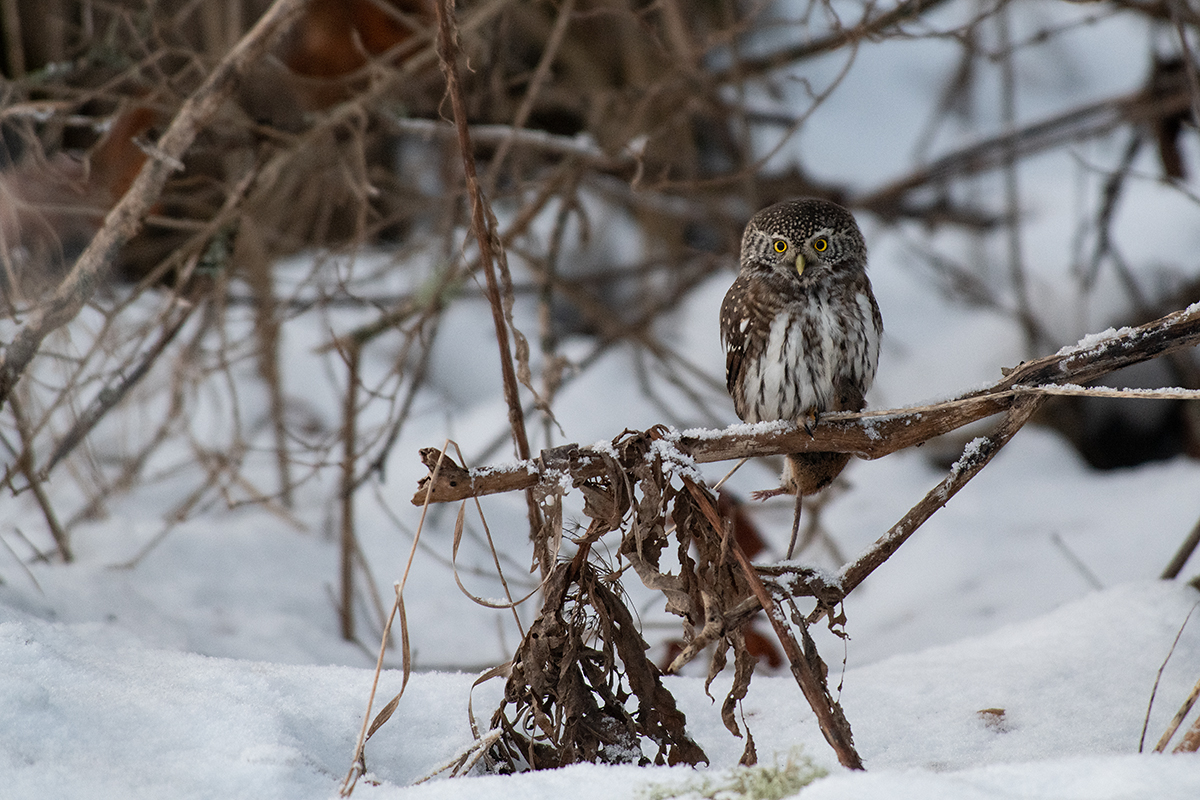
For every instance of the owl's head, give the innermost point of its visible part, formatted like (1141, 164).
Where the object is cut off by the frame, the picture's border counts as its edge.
(803, 239)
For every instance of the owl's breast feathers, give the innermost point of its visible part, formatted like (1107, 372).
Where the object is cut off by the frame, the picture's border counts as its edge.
(793, 353)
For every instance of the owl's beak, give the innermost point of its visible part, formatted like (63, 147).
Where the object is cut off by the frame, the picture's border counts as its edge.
(800, 264)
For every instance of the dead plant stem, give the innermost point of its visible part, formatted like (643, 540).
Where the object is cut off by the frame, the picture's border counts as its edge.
(349, 458)
(807, 668)
(447, 47)
(1182, 554)
(25, 460)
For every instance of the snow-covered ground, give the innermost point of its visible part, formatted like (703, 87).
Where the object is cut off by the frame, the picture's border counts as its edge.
(214, 668)
(85, 716)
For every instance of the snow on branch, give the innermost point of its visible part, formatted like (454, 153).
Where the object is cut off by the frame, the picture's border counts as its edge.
(630, 487)
(869, 434)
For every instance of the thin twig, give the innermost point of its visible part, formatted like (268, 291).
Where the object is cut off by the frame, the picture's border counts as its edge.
(1182, 554)
(1083, 122)
(868, 28)
(110, 396)
(25, 460)
(487, 240)
(540, 74)
(353, 356)
(1190, 700)
(1034, 336)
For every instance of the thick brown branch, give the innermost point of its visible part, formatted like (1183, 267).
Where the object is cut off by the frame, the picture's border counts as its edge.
(869, 435)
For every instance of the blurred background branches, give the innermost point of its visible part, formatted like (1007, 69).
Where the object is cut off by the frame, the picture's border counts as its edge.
(318, 228)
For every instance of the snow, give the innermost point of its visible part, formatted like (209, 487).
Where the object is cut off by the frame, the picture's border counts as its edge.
(84, 718)
(204, 660)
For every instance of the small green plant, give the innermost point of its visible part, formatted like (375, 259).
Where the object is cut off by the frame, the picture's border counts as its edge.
(773, 782)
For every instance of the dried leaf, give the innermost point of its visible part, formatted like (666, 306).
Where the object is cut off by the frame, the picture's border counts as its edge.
(750, 753)
(567, 701)
(383, 716)
(743, 671)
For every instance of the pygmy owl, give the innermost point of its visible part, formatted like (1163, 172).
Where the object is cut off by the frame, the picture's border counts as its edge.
(801, 327)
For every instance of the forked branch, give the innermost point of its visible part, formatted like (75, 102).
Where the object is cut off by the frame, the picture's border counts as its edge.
(629, 486)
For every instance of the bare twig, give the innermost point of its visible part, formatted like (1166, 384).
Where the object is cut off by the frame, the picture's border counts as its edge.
(1034, 335)
(806, 667)
(565, 11)
(976, 456)
(487, 240)
(25, 461)
(1083, 122)
(1188, 701)
(1182, 554)
(903, 12)
(110, 396)
(349, 457)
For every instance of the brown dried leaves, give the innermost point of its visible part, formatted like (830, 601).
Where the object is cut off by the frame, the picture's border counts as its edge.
(582, 687)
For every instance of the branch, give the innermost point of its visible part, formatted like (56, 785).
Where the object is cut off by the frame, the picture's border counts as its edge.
(807, 667)
(869, 435)
(903, 12)
(126, 217)
(976, 456)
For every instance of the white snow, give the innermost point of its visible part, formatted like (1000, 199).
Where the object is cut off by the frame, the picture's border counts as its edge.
(82, 717)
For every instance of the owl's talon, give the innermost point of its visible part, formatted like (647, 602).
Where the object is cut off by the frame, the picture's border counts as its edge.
(809, 422)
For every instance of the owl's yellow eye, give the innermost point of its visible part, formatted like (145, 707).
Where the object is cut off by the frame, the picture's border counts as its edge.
(821, 245)
(780, 246)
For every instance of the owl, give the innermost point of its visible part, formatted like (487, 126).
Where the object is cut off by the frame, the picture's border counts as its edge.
(801, 327)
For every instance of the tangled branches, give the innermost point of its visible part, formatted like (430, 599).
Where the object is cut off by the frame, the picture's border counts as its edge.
(611, 151)
(643, 486)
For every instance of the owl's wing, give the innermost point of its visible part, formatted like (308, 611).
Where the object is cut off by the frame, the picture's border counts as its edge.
(743, 323)
(732, 338)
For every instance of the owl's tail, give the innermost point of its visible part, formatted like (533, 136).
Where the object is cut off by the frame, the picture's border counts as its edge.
(809, 473)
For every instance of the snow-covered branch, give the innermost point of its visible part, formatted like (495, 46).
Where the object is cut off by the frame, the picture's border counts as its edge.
(869, 434)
